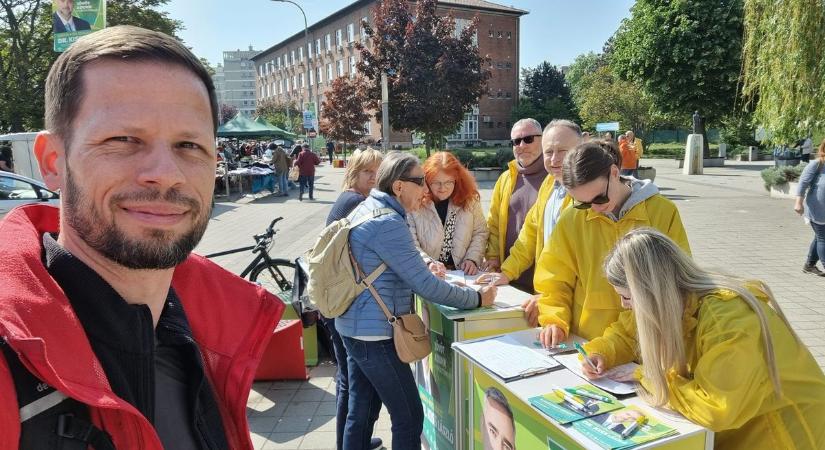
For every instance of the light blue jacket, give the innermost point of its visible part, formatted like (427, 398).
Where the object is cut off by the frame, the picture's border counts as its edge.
(815, 199)
(387, 238)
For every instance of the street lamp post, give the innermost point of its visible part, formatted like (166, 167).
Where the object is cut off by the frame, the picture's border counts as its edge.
(309, 67)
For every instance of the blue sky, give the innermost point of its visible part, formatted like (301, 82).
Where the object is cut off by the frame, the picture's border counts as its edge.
(554, 30)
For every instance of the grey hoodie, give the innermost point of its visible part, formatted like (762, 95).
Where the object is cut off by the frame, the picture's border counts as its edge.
(641, 190)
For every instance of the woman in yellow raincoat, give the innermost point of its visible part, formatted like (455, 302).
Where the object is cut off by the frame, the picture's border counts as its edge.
(717, 349)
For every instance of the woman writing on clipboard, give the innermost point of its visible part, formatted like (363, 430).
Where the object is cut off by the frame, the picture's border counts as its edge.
(716, 349)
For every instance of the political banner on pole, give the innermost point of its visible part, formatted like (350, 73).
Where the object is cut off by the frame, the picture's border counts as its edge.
(72, 19)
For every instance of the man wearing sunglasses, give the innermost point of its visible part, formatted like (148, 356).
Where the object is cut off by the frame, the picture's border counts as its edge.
(514, 194)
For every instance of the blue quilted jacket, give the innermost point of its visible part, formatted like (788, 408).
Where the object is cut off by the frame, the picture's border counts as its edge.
(387, 238)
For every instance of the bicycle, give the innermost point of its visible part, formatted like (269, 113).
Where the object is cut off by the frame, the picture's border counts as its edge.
(274, 274)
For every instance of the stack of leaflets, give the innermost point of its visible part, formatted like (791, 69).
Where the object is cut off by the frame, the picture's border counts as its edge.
(566, 405)
(622, 429)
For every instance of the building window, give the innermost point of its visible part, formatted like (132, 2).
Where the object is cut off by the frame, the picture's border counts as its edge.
(498, 94)
(509, 35)
(318, 74)
(311, 77)
(508, 95)
(363, 30)
(288, 87)
(261, 70)
(329, 72)
(278, 62)
(327, 42)
(340, 64)
(301, 54)
(350, 33)
(286, 59)
(339, 37)
(292, 57)
(318, 46)
(352, 66)
(294, 82)
(301, 78)
(500, 34)
(490, 33)
(281, 87)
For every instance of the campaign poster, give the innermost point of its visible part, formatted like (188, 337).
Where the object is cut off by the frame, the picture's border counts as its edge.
(72, 19)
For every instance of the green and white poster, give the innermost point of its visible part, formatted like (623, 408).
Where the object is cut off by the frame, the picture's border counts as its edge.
(434, 376)
(72, 19)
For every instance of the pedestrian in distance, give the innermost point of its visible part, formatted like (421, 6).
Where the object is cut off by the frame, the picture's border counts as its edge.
(114, 335)
(715, 348)
(359, 180)
(306, 162)
(331, 150)
(280, 162)
(810, 203)
(375, 369)
(515, 192)
(629, 163)
(450, 227)
(575, 296)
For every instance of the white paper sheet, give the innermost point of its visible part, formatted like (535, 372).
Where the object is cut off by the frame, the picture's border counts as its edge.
(506, 357)
(572, 362)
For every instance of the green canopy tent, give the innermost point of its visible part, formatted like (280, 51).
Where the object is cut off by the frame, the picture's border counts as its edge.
(242, 126)
(264, 122)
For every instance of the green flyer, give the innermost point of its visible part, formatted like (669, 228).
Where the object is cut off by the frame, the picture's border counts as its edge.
(608, 429)
(565, 407)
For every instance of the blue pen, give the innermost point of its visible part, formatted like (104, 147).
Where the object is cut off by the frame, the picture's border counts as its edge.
(584, 354)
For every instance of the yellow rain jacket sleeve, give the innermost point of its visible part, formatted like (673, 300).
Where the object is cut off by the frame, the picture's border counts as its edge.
(728, 388)
(575, 294)
(530, 242)
(499, 212)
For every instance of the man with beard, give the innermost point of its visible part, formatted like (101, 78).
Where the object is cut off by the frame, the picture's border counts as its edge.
(113, 334)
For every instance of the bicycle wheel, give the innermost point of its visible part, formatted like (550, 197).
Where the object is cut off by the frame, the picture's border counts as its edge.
(276, 277)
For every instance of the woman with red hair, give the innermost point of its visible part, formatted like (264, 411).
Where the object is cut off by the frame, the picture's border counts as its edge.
(450, 227)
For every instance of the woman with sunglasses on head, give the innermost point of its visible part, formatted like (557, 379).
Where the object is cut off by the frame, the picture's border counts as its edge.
(715, 348)
(375, 370)
(450, 227)
(575, 297)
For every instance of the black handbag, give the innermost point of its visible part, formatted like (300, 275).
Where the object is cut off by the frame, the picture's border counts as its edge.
(300, 296)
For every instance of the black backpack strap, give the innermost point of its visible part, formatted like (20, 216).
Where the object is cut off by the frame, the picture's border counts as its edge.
(49, 419)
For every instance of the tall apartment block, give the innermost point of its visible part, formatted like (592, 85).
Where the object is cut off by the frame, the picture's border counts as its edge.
(281, 71)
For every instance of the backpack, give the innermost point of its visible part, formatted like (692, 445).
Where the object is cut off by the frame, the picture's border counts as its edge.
(333, 280)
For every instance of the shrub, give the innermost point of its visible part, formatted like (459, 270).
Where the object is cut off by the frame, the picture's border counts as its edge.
(465, 156)
(774, 176)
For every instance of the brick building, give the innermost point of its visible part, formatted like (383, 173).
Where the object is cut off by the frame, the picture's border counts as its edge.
(287, 71)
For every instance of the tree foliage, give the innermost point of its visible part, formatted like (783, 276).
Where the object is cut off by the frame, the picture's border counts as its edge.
(26, 52)
(583, 65)
(784, 66)
(606, 98)
(345, 110)
(282, 114)
(436, 74)
(545, 95)
(685, 54)
(226, 113)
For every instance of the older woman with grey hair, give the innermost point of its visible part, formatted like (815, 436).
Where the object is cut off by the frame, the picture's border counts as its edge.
(376, 374)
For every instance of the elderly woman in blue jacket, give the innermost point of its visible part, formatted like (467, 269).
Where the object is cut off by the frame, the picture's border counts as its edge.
(375, 371)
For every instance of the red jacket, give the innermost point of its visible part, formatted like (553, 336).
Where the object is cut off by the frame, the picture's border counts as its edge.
(231, 321)
(306, 162)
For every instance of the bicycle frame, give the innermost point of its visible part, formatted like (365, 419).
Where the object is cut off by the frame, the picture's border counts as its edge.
(261, 247)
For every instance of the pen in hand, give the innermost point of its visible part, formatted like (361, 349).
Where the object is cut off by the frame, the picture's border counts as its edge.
(584, 355)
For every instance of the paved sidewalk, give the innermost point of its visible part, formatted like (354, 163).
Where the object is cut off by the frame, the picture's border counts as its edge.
(732, 225)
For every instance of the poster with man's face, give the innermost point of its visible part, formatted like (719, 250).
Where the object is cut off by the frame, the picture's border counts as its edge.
(72, 19)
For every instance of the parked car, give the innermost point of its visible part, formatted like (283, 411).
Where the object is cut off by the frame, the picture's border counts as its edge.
(16, 190)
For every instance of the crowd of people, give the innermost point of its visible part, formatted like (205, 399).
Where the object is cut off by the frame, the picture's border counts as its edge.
(608, 259)
(114, 335)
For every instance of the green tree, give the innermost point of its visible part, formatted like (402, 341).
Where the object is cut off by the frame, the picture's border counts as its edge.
(26, 52)
(784, 66)
(436, 73)
(282, 114)
(583, 65)
(685, 54)
(344, 110)
(226, 113)
(608, 99)
(545, 95)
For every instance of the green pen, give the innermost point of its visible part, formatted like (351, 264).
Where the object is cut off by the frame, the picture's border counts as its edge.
(584, 354)
(588, 394)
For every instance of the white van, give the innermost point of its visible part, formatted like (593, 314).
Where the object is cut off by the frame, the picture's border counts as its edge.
(22, 150)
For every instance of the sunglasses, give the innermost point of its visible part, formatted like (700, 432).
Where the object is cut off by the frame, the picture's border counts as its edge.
(527, 140)
(417, 180)
(598, 200)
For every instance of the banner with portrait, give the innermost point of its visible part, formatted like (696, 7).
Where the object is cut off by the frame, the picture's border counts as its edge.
(72, 19)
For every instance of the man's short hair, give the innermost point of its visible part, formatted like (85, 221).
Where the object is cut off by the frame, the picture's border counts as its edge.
(64, 85)
(528, 121)
(272, 146)
(305, 145)
(564, 123)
